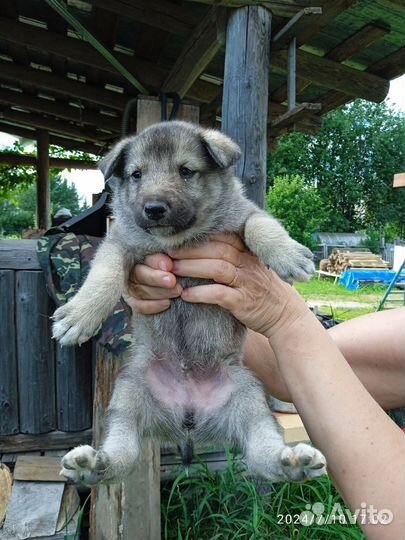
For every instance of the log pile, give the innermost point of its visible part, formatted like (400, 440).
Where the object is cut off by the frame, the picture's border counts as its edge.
(345, 259)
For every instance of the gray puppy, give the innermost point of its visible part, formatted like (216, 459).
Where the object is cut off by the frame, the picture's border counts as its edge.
(173, 186)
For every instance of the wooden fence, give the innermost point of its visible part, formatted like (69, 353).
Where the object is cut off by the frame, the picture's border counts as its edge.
(43, 388)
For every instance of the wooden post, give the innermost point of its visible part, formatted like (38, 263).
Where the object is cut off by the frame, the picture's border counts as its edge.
(130, 510)
(245, 97)
(43, 185)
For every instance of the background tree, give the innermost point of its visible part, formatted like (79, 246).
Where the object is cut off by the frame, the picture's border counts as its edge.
(18, 191)
(351, 163)
(298, 206)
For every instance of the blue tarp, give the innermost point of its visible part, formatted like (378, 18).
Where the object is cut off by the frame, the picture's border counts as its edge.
(351, 278)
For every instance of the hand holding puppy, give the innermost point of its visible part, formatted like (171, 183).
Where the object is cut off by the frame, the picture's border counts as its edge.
(243, 285)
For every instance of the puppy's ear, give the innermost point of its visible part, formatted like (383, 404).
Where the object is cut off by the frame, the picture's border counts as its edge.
(112, 165)
(222, 149)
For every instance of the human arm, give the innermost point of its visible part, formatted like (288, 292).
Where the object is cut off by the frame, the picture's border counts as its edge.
(364, 448)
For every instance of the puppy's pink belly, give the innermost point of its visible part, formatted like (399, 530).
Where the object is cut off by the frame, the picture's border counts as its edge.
(176, 390)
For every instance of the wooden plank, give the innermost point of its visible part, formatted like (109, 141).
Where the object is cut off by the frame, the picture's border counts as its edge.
(63, 85)
(52, 440)
(201, 47)
(75, 114)
(283, 8)
(336, 76)
(43, 182)
(38, 469)
(57, 163)
(8, 357)
(6, 481)
(245, 96)
(35, 354)
(33, 510)
(295, 115)
(74, 387)
(148, 111)
(163, 15)
(64, 142)
(68, 509)
(45, 123)
(292, 428)
(359, 41)
(18, 255)
(399, 180)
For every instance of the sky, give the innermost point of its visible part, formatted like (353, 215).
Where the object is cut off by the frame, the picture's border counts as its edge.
(89, 182)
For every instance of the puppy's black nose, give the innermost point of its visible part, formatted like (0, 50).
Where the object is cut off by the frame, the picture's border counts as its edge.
(155, 210)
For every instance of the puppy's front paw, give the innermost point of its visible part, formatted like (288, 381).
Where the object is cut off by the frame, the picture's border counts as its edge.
(84, 465)
(294, 262)
(73, 324)
(302, 462)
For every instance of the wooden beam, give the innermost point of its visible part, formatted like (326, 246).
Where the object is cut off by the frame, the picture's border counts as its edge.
(163, 15)
(199, 50)
(245, 96)
(287, 32)
(283, 8)
(53, 440)
(75, 114)
(43, 183)
(336, 76)
(62, 85)
(76, 50)
(309, 27)
(357, 42)
(63, 142)
(390, 67)
(58, 126)
(295, 115)
(54, 163)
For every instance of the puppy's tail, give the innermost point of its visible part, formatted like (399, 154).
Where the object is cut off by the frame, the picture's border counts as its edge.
(186, 451)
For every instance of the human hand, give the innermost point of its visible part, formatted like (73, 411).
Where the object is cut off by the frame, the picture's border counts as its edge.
(243, 285)
(151, 285)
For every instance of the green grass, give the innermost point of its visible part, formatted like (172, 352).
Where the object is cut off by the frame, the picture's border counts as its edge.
(325, 289)
(230, 506)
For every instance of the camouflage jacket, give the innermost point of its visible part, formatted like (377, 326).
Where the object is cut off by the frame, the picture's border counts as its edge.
(65, 259)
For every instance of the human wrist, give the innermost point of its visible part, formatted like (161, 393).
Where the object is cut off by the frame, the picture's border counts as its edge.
(293, 318)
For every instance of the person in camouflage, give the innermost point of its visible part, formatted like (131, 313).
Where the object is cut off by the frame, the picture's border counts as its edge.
(65, 260)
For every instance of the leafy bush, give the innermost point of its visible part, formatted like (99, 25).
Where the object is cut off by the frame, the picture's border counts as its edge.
(298, 206)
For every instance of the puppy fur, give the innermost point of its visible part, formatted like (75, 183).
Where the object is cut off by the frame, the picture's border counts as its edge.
(185, 382)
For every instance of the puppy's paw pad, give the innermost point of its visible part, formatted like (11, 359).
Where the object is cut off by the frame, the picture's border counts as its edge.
(302, 462)
(85, 465)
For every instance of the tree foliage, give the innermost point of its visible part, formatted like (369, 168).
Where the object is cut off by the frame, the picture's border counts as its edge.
(298, 206)
(351, 163)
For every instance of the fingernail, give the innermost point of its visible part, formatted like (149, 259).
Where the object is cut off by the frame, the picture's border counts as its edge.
(167, 280)
(163, 266)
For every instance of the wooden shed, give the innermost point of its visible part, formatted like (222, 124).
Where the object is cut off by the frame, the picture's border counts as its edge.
(256, 69)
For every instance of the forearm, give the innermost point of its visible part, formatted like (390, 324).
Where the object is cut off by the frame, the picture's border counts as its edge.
(373, 345)
(364, 448)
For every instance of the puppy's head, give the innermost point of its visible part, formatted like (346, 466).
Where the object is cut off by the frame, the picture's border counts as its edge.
(170, 179)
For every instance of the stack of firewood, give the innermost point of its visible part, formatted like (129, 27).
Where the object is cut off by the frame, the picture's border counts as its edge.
(345, 259)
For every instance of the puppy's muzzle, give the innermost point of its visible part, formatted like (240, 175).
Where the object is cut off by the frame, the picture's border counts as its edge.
(155, 210)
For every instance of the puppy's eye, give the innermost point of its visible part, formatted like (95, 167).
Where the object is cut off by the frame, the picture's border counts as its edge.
(136, 175)
(186, 173)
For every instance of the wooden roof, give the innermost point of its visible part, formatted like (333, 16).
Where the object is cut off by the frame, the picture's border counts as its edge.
(50, 78)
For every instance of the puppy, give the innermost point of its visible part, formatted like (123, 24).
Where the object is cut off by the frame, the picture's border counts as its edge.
(185, 382)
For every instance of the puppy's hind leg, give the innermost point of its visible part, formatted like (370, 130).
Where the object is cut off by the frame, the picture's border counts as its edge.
(247, 422)
(122, 442)
(267, 239)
